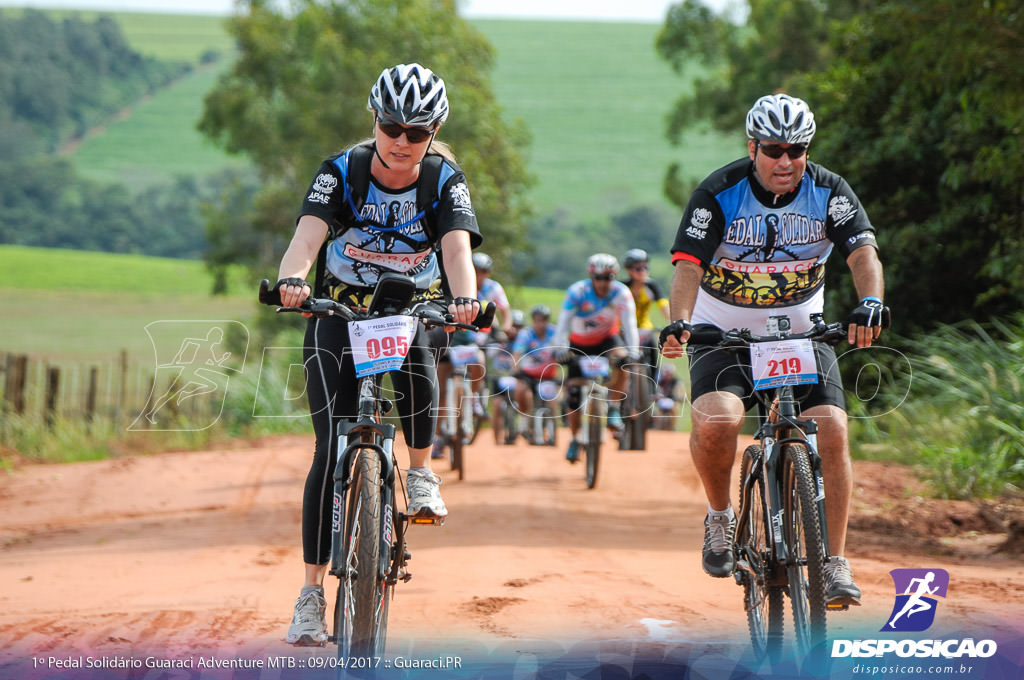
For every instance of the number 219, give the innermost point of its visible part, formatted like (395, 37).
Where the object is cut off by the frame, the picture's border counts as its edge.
(789, 366)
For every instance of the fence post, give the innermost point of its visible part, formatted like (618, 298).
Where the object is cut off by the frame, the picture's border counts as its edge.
(52, 389)
(17, 373)
(90, 395)
(121, 387)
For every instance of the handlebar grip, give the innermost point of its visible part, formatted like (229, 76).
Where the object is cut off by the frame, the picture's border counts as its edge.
(703, 334)
(269, 296)
(485, 317)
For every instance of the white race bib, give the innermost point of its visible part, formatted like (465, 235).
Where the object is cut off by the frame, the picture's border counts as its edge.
(594, 367)
(381, 345)
(783, 362)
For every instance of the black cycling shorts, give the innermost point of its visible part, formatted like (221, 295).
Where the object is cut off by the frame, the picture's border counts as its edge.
(603, 347)
(714, 369)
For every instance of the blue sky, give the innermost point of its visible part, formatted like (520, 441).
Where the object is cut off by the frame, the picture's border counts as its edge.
(608, 10)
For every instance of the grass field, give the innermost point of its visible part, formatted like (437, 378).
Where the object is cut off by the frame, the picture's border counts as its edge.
(594, 95)
(71, 305)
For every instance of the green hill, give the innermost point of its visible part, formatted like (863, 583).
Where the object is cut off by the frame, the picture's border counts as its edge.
(594, 95)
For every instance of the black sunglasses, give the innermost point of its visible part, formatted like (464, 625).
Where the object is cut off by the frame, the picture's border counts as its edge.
(603, 277)
(639, 268)
(775, 151)
(415, 135)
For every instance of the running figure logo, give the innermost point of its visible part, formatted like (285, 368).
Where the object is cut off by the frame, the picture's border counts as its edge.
(191, 362)
(916, 592)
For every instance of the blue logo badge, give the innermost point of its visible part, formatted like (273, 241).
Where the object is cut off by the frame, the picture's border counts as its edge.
(916, 593)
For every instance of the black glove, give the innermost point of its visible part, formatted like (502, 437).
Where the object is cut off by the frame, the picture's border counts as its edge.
(676, 328)
(561, 355)
(870, 313)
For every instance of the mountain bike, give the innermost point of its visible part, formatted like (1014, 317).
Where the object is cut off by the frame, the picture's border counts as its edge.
(369, 554)
(543, 423)
(636, 409)
(594, 411)
(781, 542)
(460, 423)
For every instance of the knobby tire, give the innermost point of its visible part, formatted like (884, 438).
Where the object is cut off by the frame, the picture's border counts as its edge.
(362, 616)
(806, 572)
(762, 601)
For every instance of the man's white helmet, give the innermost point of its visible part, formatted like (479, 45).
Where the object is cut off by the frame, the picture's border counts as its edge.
(409, 94)
(782, 119)
(601, 264)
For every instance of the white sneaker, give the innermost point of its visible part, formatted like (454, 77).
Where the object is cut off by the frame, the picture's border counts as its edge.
(309, 622)
(425, 493)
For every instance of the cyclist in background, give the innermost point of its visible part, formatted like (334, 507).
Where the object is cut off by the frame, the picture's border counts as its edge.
(594, 312)
(532, 351)
(488, 290)
(776, 217)
(646, 294)
(387, 232)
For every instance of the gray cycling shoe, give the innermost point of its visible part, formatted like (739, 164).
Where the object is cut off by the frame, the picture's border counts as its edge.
(840, 590)
(717, 557)
(309, 623)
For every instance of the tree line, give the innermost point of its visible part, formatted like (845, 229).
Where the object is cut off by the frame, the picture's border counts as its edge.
(58, 78)
(919, 104)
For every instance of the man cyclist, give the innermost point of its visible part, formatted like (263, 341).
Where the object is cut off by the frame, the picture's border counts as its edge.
(532, 352)
(775, 218)
(593, 313)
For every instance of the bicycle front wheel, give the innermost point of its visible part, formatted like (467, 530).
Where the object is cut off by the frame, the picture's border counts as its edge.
(362, 617)
(802, 532)
(592, 450)
(762, 598)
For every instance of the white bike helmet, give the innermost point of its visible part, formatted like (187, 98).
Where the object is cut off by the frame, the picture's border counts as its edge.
(483, 262)
(411, 95)
(602, 263)
(782, 119)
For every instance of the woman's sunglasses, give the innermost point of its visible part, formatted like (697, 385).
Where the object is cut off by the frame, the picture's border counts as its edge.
(415, 135)
(775, 151)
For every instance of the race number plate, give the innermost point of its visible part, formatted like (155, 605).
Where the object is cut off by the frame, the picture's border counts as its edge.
(463, 355)
(381, 345)
(594, 367)
(783, 362)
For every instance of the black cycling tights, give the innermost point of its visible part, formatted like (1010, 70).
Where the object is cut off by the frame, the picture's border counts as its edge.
(331, 388)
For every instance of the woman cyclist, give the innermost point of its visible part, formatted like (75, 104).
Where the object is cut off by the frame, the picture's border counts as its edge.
(646, 294)
(366, 236)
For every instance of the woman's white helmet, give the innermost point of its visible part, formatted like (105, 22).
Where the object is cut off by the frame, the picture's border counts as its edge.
(601, 264)
(782, 119)
(409, 94)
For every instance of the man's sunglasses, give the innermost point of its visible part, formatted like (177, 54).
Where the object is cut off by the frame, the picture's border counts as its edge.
(603, 277)
(639, 268)
(775, 151)
(415, 135)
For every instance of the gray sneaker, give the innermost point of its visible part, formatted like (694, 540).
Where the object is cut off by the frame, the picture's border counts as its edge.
(717, 557)
(425, 494)
(840, 590)
(309, 623)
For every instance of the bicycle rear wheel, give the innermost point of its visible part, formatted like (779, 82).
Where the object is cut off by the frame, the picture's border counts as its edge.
(806, 570)
(364, 595)
(592, 450)
(762, 601)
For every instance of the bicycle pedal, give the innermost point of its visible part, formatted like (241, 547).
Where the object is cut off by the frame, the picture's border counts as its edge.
(837, 607)
(427, 521)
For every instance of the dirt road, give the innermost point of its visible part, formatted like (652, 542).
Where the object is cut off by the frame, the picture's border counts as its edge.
(198, 551)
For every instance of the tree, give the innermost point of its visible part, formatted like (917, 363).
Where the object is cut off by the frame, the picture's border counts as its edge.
(920, 105)
(298, 92)
(923, 107)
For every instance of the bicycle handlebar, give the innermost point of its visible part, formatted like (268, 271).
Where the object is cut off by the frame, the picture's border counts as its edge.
(323, 307)
(738, 338)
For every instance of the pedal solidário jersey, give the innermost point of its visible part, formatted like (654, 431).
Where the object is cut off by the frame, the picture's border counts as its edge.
(592, 319)
(386, 230)
(491, 291)
(761, 251)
